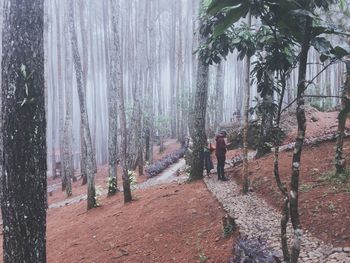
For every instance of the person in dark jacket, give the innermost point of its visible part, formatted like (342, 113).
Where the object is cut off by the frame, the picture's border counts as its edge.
(220, 153)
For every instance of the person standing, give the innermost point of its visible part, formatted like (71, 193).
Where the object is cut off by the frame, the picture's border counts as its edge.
(220, 153)
(208, 163)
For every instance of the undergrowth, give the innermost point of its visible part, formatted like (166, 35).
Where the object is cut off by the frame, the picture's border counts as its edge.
(331, 177)
(159, 166)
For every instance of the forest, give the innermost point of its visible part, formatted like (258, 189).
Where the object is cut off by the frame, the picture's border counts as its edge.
(175, 131)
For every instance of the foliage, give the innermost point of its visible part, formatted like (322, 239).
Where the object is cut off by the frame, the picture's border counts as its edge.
(202, 257)
(332, 177)
(132, 178)
(98, 194)
(284, 20)
(229, 226)
(112, 186)
(263, 108)
(162, 124)
(254, 251)
(161, 165)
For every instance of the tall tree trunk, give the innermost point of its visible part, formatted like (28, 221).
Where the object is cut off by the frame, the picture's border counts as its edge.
(179, 86)
(300, 114)
(113, 130)
(246, 120)
(172, 64)
(24, 189)
(86, 138)
(116, 71)
(219, 94)
(60, 87)
(151, 79)
(200, 108)
(282, 187)
(339, 160)
(64, 147)
(53, 123)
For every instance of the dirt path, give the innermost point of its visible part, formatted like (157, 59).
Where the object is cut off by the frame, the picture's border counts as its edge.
(167, 176)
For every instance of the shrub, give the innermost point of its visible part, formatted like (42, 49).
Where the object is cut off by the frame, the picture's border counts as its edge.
(161, 165)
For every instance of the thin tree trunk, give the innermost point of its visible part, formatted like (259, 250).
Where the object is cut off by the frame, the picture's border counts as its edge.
(339, 159)
(24, 188)
(246, 120)
(172, 64)
(300, 114)
(86, 138)
(219, 93)
(116, 71)
(113, 129)
(60, 96)
(66, 137)
(281, 186)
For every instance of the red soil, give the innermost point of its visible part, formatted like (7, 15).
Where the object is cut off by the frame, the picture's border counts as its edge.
(169, 223)
(324, 205)
(181, 223)
(173, 223)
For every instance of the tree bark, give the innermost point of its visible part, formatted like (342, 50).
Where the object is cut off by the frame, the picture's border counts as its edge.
(345, 109)
(246, 120)
(300, 114)
(86, 137)
(112, 133)
(116, 71)
(219, 93)
(24, 189)
(200, 109)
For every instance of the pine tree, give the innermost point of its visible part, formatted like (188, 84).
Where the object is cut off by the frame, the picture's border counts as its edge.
(23, 200)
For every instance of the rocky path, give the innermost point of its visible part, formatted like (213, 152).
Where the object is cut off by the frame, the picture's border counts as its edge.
(256, 218)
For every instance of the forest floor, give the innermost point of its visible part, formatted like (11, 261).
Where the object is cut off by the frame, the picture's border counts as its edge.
(167, 222)
(324, 202)
(181, 222)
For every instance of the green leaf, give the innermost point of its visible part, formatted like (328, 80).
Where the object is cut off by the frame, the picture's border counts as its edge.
(302, 12)
(232, 16)
(321, 44)
(323, 57)
(341, 51)
(217, 5)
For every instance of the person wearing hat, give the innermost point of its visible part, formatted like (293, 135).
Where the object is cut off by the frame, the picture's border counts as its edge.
(220, 153)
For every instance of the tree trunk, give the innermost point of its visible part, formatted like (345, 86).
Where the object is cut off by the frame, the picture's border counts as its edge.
(66, 137)
(112, 133)
(86, 138)
(179, 86)
(246, 121)
(266, 126)
(60, 96)
(300, 114)
(199, 113)
(24, 189)
(281, 186)
(116, 71)
(219, 94)
(172, 64)
(339, 160)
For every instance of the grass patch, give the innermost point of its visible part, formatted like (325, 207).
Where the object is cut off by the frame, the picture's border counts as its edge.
(337, 183)
(331, 207)
(331, 177)
(304, 188)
